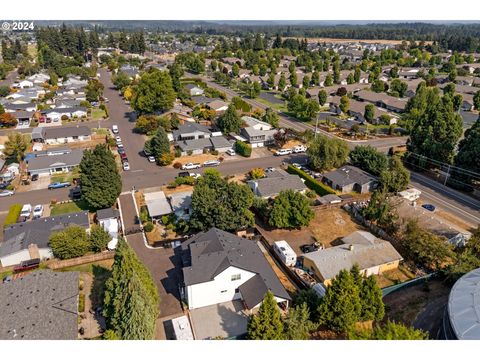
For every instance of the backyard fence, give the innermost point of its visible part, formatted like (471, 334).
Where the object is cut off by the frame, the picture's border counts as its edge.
(396, 287)
(60, 264)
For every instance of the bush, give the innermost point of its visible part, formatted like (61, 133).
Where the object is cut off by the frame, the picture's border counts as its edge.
(81, 302)
(311, 194)
(13, 214)
(144, 217)
(165, 220)
(165, 159)
(178, 153)
(318, 187)
(177, 165)
(243, 148)
(189, 152)
(214, 152)
(148, 227)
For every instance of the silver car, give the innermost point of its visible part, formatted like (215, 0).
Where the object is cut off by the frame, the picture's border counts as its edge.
(6, 193)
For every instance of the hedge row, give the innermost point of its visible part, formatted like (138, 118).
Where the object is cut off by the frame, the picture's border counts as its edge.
(243, 148)
(13, 214)
(320, 188)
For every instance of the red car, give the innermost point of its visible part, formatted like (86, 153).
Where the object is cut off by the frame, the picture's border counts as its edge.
(26, 265)
(123, 155)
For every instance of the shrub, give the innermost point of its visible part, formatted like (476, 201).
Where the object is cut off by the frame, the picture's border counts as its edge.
(165, 159)
(144, 217)
(81, 302)
(257, 173)
(178, 152)
(148, 227)
(243, 148)
(64, 117)
(13, 214)
(189, 152)
(165, 220)
(214, 152)
(185, 180)
(318, 187)
(221, 158)
(205, 151)
(311, 194)
(177, 165)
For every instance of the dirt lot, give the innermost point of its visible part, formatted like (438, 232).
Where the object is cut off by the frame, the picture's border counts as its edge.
(421, 305)
(328, 227)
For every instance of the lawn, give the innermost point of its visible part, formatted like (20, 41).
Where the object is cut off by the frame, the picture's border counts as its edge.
(278, 107)
(70, 207)
(98, 114)
(66, 177)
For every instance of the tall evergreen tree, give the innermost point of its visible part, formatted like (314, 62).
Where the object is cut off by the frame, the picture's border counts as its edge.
(267, 323)
(468, 156)
(229, 121)
(100, 180)
(131, 299)
(371, 300)
(298, 324)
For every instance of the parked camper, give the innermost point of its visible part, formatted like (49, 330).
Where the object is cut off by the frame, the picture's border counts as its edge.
(285, 253)
(410, 194)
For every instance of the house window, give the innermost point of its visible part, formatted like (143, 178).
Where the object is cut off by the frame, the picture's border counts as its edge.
(237, 290)
(236, 277)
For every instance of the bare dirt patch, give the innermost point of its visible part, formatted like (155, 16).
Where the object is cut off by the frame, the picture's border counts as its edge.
(201, 158)
(328, 227)
(395, 276)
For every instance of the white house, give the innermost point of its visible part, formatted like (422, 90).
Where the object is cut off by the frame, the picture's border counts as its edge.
(221, 267)
(23, 84)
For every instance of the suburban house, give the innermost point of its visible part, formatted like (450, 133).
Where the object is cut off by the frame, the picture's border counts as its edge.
(258, 138)
(191, 131)
(131, 71)
(373, 255)
(217, 105)
(255, 123)
(350, 178)
(468, 104)
(61, 135)
(70, 112)
(276, 181)
(42, 305)
(45, 163)
(29, 240)
(382, 100)
(221, 267)
(194, 90)
(199, 146)
(181, 203)
(39, 78)
(109, 220)
(23, 117)
(12, 107)
(22, 84)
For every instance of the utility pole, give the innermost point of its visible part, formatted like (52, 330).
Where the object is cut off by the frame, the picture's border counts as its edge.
(446, 176)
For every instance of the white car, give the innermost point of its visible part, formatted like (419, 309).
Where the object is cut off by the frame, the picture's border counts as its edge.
(211, 163)
(26, 211)
(190, 166)
(126, 166)
(231, 152)
(151, 159)
(282, 152)
(37, 211)
(115, 129)
(6, 193)
(196, 176)
(299, 149)
(118, 139)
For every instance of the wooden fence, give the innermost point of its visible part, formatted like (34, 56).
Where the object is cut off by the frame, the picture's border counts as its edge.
(60, 264)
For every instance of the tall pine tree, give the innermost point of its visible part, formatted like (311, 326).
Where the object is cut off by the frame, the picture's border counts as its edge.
(267, 323)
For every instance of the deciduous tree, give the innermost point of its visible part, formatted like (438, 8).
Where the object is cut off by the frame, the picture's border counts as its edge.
(290, 210)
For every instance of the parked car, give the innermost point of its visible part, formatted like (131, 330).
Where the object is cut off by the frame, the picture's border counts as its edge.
(190, 166)
(183, 174)
(58, 185)
(118, 139)
(126, 166)
(6, 193)
(269, 169)
(4, 185)
(429, 207)
(151, 159)
(115, 129)
(146, 153)
(196, 176)
(282, 152)
(34, 177)
(7, 279)
(37, 211)
(76, 193)
(299, 149)
(27, 265)
(298, 166)
(211, 163)
(123, 155)
(308, 248)
(231, 152)
(121, 150)
(26, 211)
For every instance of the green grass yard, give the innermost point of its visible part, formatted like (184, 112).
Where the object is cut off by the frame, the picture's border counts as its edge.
(70, 207)
(98, 114)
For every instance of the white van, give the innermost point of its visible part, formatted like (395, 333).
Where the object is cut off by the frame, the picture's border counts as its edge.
(410, 194)
(115, 129)
(26, 211)
(231, 152)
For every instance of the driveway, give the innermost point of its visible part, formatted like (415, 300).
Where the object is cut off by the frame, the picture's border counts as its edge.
(225, 320)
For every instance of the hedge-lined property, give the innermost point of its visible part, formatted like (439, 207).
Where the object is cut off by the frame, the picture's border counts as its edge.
(320, 188)
(13, 214)
(243, 148)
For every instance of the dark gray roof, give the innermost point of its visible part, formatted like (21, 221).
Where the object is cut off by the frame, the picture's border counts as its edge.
(209, 253)
(347, 175)
(253, 291)
(66, 110)
(194, 144)
(41, 305)
(61, 132)
(220, 142)
(107, 214)
(23, 114)
(201, 99)
(19, 236)
(72, 158)
(271, 186)
(2, 163)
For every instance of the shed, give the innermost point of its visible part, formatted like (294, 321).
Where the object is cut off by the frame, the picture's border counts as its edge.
(157, 204)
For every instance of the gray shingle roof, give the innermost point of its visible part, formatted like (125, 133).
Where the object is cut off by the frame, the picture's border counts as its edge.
(19, 236)
(347, 175)
(107, 214)
(208, 254)
(72, 158)
(40, 306)
(360, 248)
(273, 185)
(61, 132)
